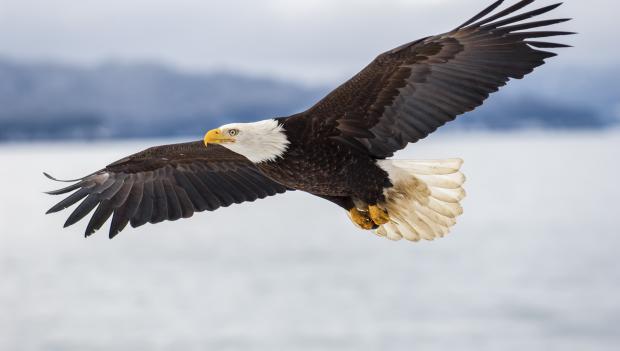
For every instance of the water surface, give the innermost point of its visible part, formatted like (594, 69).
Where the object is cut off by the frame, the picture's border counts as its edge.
(532, 265)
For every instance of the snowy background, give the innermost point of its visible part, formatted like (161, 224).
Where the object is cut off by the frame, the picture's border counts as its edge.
(531, 265)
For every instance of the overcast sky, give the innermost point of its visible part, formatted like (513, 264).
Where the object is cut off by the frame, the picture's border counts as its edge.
(316, 41)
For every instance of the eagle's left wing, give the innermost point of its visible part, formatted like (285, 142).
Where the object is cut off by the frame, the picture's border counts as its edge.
(407, 93)
(162, 183)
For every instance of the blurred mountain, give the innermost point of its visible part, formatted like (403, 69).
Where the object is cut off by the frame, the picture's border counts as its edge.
(118, 100)
(52, 101)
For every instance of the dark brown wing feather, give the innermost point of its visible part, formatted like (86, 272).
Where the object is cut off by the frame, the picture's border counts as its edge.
(164, 183)
(407, 93)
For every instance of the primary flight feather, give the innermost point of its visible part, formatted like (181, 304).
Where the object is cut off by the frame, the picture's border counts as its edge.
(338, 149)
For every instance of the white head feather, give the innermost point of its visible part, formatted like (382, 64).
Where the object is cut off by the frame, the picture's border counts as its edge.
(259, 141)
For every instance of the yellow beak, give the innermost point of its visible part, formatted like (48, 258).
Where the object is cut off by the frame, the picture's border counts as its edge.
(215, 136)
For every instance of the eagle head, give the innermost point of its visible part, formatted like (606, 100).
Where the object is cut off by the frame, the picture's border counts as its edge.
(259, 141)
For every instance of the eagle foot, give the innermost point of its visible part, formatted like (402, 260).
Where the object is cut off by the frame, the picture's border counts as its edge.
(378, 215)
(361, 219)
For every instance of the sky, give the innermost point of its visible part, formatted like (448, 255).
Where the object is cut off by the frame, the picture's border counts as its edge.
(312, 41)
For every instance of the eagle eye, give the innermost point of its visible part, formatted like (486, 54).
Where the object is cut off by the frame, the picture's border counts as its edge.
(233, 132)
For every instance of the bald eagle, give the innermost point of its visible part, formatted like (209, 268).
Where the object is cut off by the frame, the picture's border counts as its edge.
(340, 149)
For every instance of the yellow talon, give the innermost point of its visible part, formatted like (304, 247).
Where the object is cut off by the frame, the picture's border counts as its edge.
(361, 219)
(378, 215)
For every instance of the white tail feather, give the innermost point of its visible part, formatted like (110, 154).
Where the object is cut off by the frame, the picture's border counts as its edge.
(423, 203)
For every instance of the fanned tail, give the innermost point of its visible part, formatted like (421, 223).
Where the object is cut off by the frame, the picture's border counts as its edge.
(424, 201)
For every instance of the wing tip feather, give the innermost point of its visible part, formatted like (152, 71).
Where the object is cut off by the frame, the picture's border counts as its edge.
(49, 176)
(501, 18)
(481, 14)
(547, 45)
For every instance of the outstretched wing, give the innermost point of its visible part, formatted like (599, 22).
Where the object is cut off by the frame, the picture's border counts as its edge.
(164, 183)
(407, 93)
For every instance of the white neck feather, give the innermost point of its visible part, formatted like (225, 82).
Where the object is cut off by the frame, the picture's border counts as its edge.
(259, 141)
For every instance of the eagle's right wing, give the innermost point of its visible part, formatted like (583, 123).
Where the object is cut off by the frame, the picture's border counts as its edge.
(165, 183)
(408, 92)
